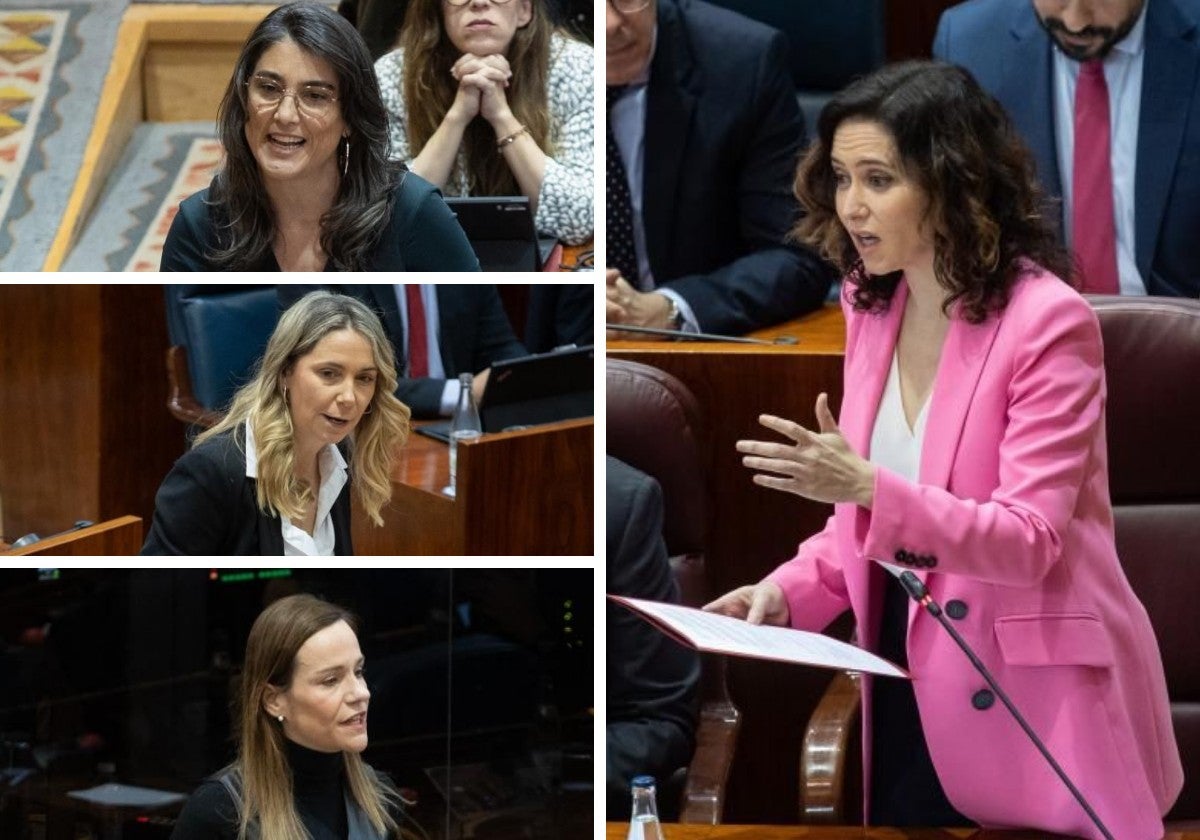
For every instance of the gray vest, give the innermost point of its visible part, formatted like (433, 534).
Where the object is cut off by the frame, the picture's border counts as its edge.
(360, 827)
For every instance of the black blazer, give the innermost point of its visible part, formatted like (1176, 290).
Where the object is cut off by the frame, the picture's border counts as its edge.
(652, 680)
(207, 505)
(473, 333)
(723, 136)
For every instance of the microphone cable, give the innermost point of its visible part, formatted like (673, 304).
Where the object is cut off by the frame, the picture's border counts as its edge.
(917, 591)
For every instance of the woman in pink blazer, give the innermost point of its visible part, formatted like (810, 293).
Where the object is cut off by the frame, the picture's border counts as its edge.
(971, 450)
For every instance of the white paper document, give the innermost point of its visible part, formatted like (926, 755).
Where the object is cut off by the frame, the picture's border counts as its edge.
(722, 634)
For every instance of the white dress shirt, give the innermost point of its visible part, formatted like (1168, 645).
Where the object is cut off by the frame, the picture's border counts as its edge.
(433, 322)
(331, 467)
(1123, 75)
(894, 445)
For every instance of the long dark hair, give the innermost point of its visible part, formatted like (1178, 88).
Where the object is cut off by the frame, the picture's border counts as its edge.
(363, 206)
(429, 90)
(954, 140)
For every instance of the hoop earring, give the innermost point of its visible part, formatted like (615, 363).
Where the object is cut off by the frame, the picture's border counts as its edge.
(346, 159)
(285, 395)
(369, 410)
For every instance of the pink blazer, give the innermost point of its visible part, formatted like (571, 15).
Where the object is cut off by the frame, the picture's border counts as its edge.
(1011, 518)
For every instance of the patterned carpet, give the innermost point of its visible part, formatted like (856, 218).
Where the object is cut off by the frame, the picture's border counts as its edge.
(162, 165)
(49, 88)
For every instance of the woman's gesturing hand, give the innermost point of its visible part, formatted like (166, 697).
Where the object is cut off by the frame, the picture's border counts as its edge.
(762, 603)
(815, 465)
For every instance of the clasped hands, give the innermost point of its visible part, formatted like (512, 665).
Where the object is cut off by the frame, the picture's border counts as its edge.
(814, 465)
(482, 81)
(626, 305)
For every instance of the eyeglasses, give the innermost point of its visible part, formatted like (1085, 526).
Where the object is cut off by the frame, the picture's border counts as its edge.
(629, 7)
(311, 100)
(465, 2)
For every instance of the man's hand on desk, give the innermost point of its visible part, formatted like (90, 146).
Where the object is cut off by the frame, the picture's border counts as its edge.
(626, 305)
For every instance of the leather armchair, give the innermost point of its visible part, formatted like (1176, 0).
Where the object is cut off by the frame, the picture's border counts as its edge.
(1151, 359)
(217, 334)
(654, 424)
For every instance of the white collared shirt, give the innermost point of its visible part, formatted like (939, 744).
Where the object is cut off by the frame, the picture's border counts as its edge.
(331, 467)
(1123, 75)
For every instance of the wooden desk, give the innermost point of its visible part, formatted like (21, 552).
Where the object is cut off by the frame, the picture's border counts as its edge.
(526, 492)
(120, 537)
(753, 529)
(673, 831)
(572, 253)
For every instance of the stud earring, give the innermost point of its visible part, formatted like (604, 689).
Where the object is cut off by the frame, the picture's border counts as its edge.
(280, 719)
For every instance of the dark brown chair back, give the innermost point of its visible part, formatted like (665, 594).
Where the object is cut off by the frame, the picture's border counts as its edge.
(1152, 364)
(654, 424)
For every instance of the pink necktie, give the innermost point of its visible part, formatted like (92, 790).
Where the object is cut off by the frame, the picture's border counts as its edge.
(1093, 229)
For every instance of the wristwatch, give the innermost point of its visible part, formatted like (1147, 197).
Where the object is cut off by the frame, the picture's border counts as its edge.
(674, 316)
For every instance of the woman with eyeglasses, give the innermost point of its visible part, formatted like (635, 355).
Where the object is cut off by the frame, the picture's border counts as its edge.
(487, 98)
(306, 184)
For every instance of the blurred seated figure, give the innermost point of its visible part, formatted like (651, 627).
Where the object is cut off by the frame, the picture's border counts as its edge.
(559, 315)
(459, 328)
(488, 97)
(704, 133)
(652, 681)
(306, 184)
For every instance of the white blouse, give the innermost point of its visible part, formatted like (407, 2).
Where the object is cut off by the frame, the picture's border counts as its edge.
(894, 445)
(565, 203)
(332, 469)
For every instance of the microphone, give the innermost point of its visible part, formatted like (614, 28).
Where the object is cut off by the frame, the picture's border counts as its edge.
(917, 591)
(691, 336)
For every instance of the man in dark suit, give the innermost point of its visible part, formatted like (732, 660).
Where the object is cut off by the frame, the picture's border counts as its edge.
(1031, 56)
(472, 334)
(705, 134)
(651, 679)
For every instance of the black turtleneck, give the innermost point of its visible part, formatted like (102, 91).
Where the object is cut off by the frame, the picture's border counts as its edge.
(317, 783)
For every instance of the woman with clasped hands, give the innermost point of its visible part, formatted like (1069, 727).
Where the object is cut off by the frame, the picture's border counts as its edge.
(970, 450)
(487, 98)
(306, 184)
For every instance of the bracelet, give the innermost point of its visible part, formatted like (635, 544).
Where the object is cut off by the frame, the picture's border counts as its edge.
(505, 141)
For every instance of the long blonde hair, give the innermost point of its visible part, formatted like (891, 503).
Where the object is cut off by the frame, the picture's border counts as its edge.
(429, 90)
(263, 781)
(261, 401)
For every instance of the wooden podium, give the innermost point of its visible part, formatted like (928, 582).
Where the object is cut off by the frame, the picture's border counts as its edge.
(524, 492)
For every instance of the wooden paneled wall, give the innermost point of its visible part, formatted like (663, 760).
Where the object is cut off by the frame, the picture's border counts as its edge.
(84, 430)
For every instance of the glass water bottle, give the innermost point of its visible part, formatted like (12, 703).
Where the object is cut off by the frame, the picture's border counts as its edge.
(643, 823)
(464, 425)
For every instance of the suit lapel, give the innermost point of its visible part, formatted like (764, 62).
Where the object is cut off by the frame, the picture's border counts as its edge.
(1029, 78)
(875, 342)
(670, 106)
(1168, 81)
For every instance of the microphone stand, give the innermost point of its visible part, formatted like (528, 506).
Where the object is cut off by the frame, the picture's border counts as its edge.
(698, 336)
(917, 591)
